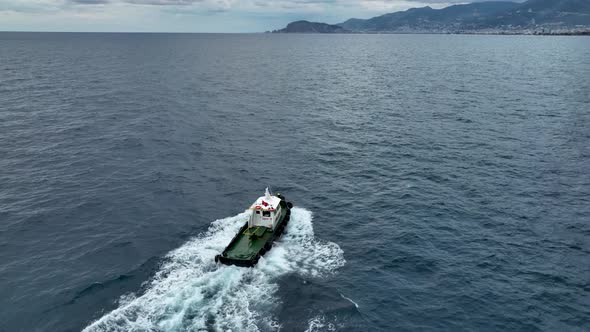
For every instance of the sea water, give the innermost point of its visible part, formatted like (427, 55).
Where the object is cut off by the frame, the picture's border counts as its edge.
(440, 182)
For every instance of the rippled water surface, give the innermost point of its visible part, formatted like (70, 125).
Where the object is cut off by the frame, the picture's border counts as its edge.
(440, 182)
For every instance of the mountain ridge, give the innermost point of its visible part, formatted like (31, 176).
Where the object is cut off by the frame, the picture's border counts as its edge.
(429, 18)
(490, 16)
(303, 26)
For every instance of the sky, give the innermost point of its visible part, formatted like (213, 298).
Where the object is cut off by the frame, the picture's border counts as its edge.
(190, 15)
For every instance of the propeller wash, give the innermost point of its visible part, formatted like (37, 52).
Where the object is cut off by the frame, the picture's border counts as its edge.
(192, 292)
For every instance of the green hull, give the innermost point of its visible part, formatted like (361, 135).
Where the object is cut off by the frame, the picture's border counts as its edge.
(249, 244)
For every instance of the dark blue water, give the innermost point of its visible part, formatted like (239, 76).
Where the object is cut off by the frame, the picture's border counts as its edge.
(440, 182)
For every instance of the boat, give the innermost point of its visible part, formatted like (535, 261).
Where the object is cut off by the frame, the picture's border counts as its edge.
(268, 218)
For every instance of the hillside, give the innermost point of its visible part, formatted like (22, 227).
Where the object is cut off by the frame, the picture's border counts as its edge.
(565, 13)
(494, 16)
(426, 18)
(311, 27)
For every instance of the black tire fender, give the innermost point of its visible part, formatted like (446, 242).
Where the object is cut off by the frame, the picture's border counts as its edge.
(256, 259)
(289, 205)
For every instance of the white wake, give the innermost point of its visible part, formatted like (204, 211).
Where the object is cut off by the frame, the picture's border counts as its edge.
(191, 292)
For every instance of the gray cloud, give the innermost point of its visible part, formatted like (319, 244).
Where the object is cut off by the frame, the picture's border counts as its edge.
(163, 2)
(89, 2)
(139, 2)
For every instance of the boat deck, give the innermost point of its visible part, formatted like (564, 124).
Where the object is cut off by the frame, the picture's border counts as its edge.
(246, 246)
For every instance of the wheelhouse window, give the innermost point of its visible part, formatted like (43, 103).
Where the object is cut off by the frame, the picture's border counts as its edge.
(266, 213)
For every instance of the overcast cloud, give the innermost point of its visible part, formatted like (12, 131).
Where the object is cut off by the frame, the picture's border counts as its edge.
(189, 15)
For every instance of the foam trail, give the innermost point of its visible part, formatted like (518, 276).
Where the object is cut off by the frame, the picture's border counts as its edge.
(319, 323)
(191, 292)
(350, 300)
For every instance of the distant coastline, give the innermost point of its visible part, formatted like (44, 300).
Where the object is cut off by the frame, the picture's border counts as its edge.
(303, 26)
(532, 17)
(481, 33)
